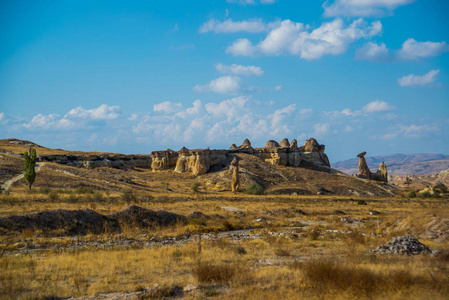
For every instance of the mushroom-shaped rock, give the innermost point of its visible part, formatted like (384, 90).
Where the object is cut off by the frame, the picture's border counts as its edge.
(364, 171)
(311, 145)
(246, 144)
(285, 143)
(294, 146)
(233, 147)
(272, 144)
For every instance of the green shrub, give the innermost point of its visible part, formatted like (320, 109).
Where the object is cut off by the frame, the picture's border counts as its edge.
(440, 186)
(411, 194)
(196, 187)
(254, 189)
(425, 195)
(361, 202)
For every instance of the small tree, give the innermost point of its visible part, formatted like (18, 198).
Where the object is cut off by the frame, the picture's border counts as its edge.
(29, 166)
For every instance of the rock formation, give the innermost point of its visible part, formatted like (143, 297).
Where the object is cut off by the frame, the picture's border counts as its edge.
(272, 145)
(285, 143)
(235, 184)
(294, 146)
(199, 161)
(364, 171)
(246, 144)
(311, 145)
(382, 174)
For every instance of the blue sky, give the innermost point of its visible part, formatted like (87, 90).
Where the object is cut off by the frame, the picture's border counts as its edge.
(138, 76)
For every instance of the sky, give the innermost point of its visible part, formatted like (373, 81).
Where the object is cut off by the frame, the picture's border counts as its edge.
(139, 76)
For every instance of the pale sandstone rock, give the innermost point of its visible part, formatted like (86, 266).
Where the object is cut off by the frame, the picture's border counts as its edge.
(235, 184)
(285, 143)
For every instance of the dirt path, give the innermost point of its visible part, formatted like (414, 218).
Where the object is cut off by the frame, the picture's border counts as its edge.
(7, 184)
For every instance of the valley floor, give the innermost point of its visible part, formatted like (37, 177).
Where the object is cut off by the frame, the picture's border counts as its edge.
(235, 246)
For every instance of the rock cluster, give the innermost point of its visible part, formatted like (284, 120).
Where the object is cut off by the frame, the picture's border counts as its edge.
(364, 171)
(404, 245)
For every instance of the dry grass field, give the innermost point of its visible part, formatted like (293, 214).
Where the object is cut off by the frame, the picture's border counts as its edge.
(235, 245)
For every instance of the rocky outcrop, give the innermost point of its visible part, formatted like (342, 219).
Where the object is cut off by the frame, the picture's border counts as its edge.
(272, 145)
(311, 145)
(285, 143)
(235, 183)
(246, 144)
(364, 171)
(103, 160)
(199, 161)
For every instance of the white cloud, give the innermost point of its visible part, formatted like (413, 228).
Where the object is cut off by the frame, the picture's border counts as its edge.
(321, 129)
(2, 115)
(362, 8)
(240, 70)
(168, 107)
(227, 26)
(242, 47)
(293, 38)
(103, 112)
(267, 1)
(76, 118)
(416, 80)
(416, 131)
(278, 88)
(228, 121)
(243, 2)
(413, 50)
(373, 52)
(377, 106)
(223, 85)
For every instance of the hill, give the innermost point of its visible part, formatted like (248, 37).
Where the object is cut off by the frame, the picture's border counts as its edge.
(400, 164)
(275, 179)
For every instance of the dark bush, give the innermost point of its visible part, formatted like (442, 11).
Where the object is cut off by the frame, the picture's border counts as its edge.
(411, 195)
(254, 189)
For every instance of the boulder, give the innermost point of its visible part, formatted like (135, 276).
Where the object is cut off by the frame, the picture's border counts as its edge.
(233, 147)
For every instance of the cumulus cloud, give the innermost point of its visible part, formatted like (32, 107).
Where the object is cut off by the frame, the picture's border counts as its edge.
(413, 50)
(228, 26)
(416, 131)
(103, 112)
(362, 8)
(372, 107)
(373, 52)
(223, 85)
(168, 107)
(410, 50)
(229, 120)
(321, 129)
(76, 118)
(377, 106)
(242, 47)
(294, 38)
(416, 80)
(240, 70)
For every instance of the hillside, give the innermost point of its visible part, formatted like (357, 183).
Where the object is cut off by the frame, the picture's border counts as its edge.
(399, 164)
(275, 179)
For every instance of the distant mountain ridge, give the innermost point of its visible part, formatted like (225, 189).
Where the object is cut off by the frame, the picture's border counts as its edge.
(399, 164)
